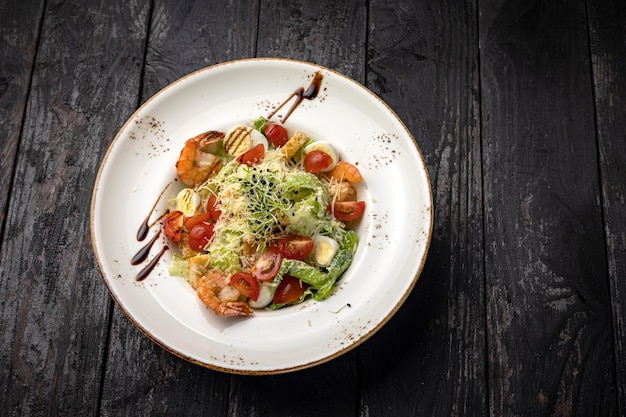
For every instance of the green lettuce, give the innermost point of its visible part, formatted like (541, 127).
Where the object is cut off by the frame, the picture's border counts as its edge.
(179, 267)
(322, 281)
(260, 123)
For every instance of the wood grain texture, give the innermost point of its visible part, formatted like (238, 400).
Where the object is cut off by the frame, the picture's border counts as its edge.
(518, 107)
(549, 315)
(55, 310)
(430, 359)
(188, 36)
(607, 27)
(329, 33)
(19, 33)
(330, 389)
(144, 380)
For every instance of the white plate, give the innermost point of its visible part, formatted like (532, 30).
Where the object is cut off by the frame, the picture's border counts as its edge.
(394, 234)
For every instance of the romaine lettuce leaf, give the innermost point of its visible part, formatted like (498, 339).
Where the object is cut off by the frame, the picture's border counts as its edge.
(323, 281)
(179, 266)
(260, 123)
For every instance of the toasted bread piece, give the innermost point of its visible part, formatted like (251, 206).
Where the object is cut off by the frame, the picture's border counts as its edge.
(291, 147)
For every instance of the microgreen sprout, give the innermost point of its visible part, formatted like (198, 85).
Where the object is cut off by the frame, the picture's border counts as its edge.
(267, 205)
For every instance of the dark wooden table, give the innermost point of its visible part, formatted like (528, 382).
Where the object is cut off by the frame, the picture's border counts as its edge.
(519, 108)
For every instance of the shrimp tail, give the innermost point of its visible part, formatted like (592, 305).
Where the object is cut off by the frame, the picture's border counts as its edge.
(234, 309)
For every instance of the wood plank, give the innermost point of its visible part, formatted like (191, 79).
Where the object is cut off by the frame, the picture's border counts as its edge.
(188, 36)
(142, 378)
(549, 312)
(607, 26)
(430, 358)
(19, 34)
(329, 389)
(55, 310)
(328, 33)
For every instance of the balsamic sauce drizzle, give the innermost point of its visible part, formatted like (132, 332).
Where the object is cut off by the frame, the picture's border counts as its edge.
(144, 251)
(309, 94)
(145, 226)
(142, 254)
(143, 274)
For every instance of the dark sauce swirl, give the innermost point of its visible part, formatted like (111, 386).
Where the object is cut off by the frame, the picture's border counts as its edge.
(143, 274)
(143, 253)
(301, 94)
(142, 232)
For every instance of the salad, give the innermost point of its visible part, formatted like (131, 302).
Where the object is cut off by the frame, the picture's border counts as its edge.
(264, 218)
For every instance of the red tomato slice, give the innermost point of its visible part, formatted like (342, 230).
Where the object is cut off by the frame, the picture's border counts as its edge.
(276, 134)
(348, 210)
(190, 222)
(267, 266)
(295, 247)
(253, 156)
(211, 208)
(289, 290)
(200, 235)
(317, 161)
(174, 225)
(246, 283)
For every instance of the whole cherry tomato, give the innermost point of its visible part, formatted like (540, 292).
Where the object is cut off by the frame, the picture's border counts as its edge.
(200, 236)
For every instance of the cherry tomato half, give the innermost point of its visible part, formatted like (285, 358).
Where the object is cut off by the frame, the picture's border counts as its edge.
(267, 266)
(289, 290)
(174, 225)
(246, 283)
(317, 161)
(200, 235)
(276, 134)
(295, 247)
(190, 222)
(253, 156)
(211, 208)
(348, 210)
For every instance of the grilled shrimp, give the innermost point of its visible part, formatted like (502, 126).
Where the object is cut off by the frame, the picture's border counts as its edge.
(342, 191)
(197, 161)
(213, 290)
(345, 171)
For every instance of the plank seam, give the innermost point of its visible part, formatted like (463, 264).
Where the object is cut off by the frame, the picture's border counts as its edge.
(603, 197)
